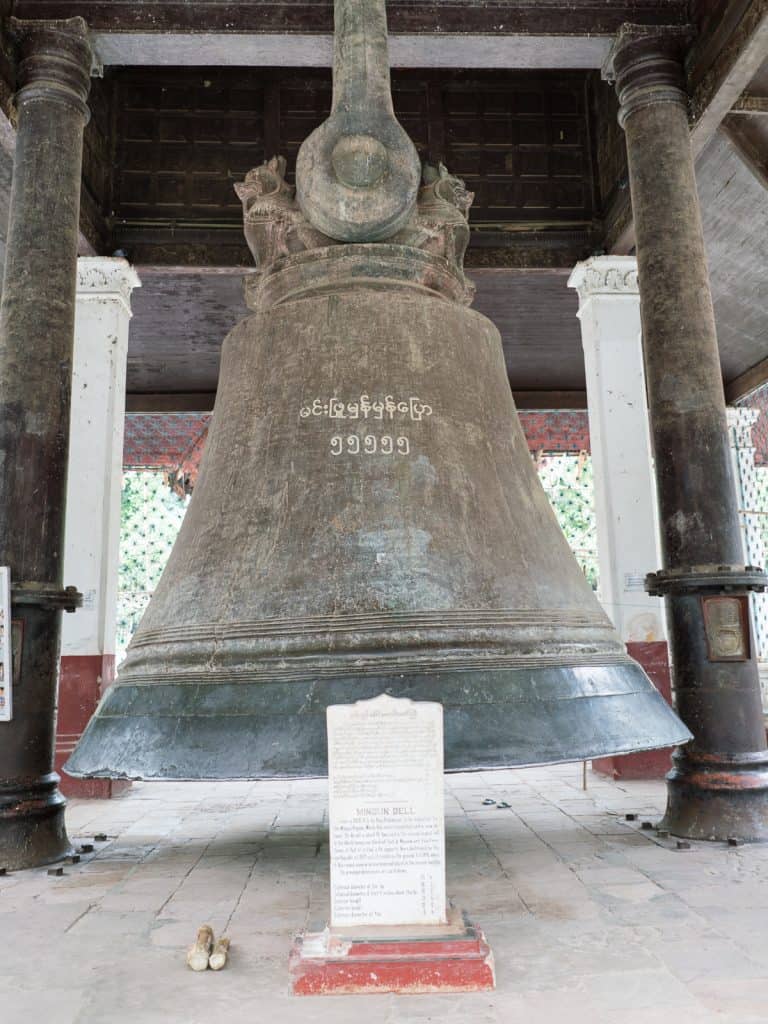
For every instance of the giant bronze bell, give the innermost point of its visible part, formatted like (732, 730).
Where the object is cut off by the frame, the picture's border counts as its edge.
(367, 517)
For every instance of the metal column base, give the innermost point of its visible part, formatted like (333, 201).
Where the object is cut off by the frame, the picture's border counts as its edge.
(718, 798)
(32, 828)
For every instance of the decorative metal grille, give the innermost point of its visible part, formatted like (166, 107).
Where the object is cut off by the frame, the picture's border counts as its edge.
(568, 480)
(751, 480)
(151, 517)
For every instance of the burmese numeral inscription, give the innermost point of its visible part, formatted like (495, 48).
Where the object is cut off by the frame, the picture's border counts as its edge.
(408, 410)
(369, 444)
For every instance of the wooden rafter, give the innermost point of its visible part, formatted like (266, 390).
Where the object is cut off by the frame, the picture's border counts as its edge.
(720, 85)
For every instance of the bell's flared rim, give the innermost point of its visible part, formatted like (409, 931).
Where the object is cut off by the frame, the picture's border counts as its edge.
(501, 718)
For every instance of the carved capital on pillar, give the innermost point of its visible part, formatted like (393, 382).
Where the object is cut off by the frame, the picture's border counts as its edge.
(605, 275)
(645, 64)
(106, 277)
(53, 61)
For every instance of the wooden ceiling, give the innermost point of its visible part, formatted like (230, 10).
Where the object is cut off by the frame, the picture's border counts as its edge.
(175, 125)
(181, 319)
(578, 19)
(183, 137)
(734, 208)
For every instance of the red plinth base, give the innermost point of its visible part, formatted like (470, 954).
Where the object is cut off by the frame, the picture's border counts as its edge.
(88, 789)
(448, 958)
(82, 681)
(648, 764)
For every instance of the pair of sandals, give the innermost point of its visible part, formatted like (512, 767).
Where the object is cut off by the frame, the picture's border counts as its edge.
(207, 951)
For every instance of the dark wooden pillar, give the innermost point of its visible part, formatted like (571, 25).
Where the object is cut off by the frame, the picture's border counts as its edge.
(718, 787)
(36, 337)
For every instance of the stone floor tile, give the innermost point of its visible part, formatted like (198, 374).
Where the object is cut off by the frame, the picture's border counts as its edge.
(589, 918)
(743, 999)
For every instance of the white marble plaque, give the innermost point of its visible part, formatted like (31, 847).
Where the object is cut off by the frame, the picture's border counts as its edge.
(387, 827)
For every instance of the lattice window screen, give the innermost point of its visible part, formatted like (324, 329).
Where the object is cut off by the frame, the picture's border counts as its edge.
(151, 517)
(751, 482)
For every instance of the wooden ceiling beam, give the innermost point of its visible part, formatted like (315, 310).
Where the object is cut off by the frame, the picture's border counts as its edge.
(471, 17)
(747, 104)
(755, 377)
(298, 33)
(540, 399)
(169, 401)
(718, 79)
(499, 50)
(749, 151)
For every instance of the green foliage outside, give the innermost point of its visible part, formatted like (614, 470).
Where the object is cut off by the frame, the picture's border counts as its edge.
(152, 515)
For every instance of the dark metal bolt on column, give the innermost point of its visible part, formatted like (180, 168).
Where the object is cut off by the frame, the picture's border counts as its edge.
(37, 316)
(718, 787)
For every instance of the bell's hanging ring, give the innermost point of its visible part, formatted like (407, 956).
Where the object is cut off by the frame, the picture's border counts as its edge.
(367, 517)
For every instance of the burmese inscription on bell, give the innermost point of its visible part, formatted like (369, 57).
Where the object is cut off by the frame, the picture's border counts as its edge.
(387, 832)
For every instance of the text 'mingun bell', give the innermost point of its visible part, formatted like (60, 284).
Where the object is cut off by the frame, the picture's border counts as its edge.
(367, 518)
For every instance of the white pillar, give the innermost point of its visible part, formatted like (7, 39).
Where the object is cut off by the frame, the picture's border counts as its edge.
(91, 551)
(92, 537)
(625, 496)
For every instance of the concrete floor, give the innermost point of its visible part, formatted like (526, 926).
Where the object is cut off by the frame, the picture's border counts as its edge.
(590, 918)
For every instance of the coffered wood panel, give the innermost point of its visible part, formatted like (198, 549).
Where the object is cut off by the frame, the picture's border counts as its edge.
(183, 138)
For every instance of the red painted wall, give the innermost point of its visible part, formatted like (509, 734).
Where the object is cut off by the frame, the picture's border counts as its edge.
(82, 680)
(649, 764)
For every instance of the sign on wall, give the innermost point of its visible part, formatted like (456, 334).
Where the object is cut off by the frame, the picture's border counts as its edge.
(6, 674)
